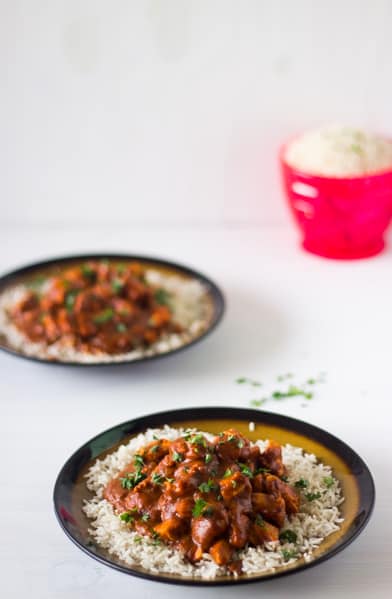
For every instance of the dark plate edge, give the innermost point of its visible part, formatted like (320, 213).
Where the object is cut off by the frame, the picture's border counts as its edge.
(366, 492)
(215, 292)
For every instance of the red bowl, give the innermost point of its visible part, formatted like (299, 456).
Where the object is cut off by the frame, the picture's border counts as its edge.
(341, 218)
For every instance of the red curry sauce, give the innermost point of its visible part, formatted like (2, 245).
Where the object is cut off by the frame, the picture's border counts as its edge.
(96, 307)
(205, 497)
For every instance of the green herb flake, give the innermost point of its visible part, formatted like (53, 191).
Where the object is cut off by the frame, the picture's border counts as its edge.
(328, 481)
(312, 496)
(241, 380)
(70, 298)
(260, 521)
(104, 316)
(198, 508)
(177, 457)
(87, 271)
(126, 517)
(162, 297)
(157, 478)
(302, 483)
(288, 536)
(246, 470)
(137, 539)
(289, 554)
(262, 470)
(206, 487)
(132, 479)
(138, 461)
(146, 517)
(257, 403)
(121, 327)
(154, 448)
(117, 285)
(228, 472)
(198, 440)
(208, 458)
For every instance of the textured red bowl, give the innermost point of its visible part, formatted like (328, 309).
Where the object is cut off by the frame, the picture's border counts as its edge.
(341, 218)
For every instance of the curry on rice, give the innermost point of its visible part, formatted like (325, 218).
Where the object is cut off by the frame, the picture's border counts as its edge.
(205, 496)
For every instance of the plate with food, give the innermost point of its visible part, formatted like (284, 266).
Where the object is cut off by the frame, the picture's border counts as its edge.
(105, 309)
(213, 496)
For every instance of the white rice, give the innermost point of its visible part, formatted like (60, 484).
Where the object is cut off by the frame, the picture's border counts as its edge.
(338, 151)
(189, 303)
(314, 522)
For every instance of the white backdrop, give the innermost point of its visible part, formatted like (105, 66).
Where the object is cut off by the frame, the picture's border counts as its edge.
(172, 111)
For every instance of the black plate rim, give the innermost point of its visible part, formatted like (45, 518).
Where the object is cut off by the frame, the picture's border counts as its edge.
(217, 296)
(366, 488)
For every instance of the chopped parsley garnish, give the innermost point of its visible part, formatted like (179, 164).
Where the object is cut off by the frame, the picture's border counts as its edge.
(121, 327)
(208, 458)
(36, 282)
(289, 554)
(132, 479)
(104, 316)
(117, 285)
(284, 478)
(292, 391)
(138, 460)
(87, 271)
(199, 507)
(70, 299)
(137, 539)
(260, 520)
(262, 470)
(288, 536)
(162, 297)
(243, 379)
(257, 403)
(146, 517)
(126, 517)
(228, 472)
(312, 496)
(197, 440)
(177, 457)
(240, 443)
(154, 448)
(302, 483)
(328, 481)
(233, 483)
(157, 478)
(246, 470)
(207, 487)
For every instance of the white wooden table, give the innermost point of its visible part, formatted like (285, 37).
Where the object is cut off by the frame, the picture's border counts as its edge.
(286, 311)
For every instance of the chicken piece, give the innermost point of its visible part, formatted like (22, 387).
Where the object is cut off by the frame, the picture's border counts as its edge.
(275, 486)
(170, 529)
(263, 532)
(221, 552)
(271, 507)
(228, 445)
(235, 485)
(205, 529)
(271, 458)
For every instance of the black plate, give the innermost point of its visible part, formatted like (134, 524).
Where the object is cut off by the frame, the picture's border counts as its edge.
(356, 481)
(213, 293)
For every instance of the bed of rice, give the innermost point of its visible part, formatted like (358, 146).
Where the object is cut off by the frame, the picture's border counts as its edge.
(339, 151)
(315, 521)
(189, 303)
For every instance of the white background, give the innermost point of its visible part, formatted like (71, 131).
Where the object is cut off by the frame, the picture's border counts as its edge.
(173, 110)
(153, 127)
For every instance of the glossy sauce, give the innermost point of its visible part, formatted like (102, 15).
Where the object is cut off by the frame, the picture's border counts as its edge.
(205, 497)
(96, 307)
